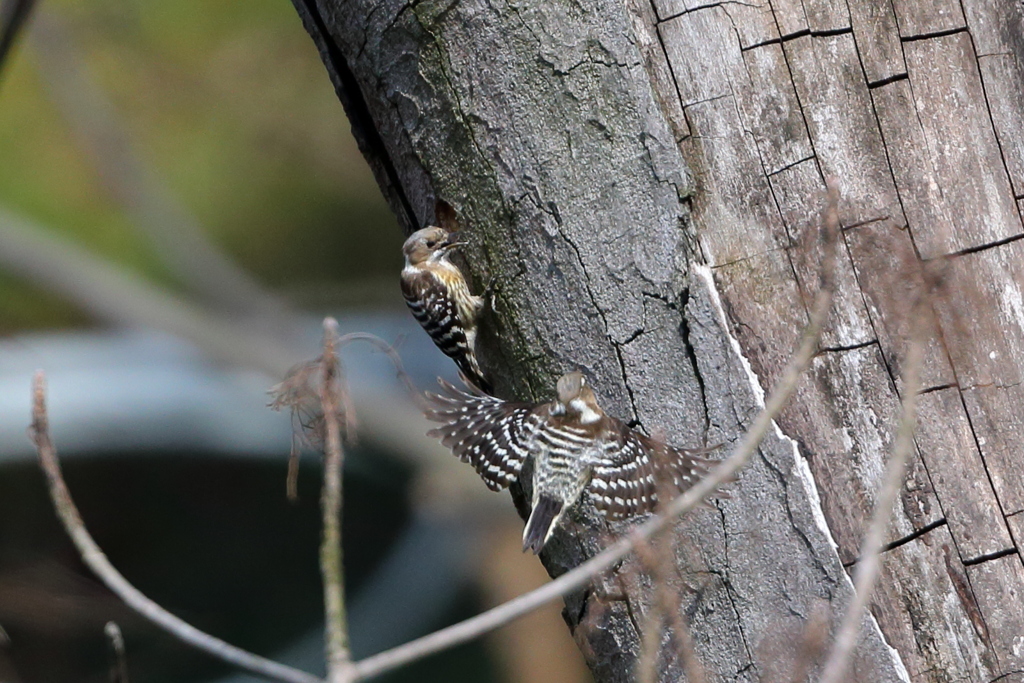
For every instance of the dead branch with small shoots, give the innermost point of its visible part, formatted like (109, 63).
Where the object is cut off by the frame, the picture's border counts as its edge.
(300, 393)
(334, 406)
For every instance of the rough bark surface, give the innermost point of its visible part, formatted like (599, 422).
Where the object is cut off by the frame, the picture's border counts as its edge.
(599, 151)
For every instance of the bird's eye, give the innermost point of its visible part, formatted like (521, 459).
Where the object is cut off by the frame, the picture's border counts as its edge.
(431, 243)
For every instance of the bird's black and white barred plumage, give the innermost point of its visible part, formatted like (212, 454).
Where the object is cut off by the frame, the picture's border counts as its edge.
(623, 469)
(486, 432)
(439, 298)
(433, 296)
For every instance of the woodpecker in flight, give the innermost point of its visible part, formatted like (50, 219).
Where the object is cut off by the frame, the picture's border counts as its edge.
(438, 296)
(575, 446)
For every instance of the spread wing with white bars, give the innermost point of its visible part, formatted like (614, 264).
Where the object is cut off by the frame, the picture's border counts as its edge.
(496, 437)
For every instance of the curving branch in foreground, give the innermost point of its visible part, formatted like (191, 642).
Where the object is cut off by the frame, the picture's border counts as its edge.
(94, 558)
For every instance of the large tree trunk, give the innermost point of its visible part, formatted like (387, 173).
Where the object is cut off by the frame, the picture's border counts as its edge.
(627, 170)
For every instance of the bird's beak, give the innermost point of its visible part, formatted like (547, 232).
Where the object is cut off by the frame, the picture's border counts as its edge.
(453, 241)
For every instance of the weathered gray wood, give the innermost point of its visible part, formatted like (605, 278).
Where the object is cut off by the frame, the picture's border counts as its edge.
(703, 53)
(844, 417)
(645, 24)
(826, 15)
(552, 129)
(917, 19)
(957, 472)
(790, 16)
(888, 277)
(934, 219)
(736, 206)
(755, 287)
(950, 105)
(997, 29)
(997, 26)
(1003, 75)
(771, 113)
(924, 590)
(1016, 524)
(796, 188)
(999, 587)
(753, 21)
(878, 40)
(985, 339)
(844, 132)
(998, 423)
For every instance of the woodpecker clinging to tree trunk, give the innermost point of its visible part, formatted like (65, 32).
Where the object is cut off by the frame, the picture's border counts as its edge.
(575, 446)
(438, 296)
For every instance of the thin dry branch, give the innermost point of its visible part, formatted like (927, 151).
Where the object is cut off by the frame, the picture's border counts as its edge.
(339, 657)
(101, 566)
(118, 657)
(582, 575)
(392, 354)
(869, 562)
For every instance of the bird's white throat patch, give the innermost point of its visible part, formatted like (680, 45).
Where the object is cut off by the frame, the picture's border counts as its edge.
(587, 414)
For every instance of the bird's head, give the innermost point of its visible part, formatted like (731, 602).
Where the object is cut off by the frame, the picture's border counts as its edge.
(576, 398)
(429, 244)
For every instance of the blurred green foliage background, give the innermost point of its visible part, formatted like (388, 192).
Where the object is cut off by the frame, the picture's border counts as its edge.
(230, 106)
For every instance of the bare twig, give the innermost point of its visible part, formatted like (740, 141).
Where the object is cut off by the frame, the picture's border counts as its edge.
(300, 392)
(582, 575)
(392, 354)
(869, 562)
(100, 565)
(118, 658)
(339, 658)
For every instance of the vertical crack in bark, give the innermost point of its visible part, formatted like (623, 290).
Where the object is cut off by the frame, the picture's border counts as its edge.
(780, 476)
(962, 587)
(691, 355)
(988, 110)
(601, 313)
(730, 591)
(984, 462)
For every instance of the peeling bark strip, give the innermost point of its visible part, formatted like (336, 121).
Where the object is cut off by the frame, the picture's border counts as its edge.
(559, 131)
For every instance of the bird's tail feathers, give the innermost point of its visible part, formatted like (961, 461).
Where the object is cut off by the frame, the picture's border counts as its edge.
(541, 523)
(472, 374)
